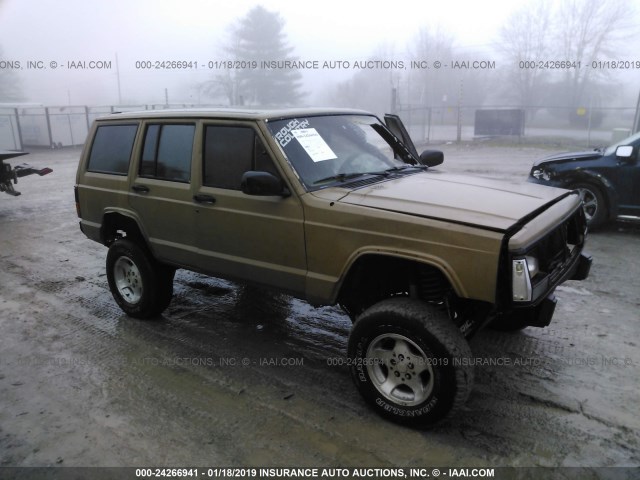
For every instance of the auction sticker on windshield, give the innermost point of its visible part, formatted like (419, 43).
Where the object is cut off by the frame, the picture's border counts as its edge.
(314, 144)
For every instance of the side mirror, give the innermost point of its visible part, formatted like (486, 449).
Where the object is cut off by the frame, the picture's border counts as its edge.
(262, 184)
(624, 151)
(431, 158)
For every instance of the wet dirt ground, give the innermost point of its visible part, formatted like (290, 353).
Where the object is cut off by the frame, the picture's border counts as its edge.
(236, 376)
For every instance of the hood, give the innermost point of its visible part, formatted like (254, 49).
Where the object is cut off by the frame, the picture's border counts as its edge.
(463, 199)
(569, 157)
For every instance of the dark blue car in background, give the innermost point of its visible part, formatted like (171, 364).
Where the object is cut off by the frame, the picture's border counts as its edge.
(608, 179)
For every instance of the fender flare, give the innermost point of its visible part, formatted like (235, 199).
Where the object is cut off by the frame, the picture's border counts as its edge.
(129, 216)
(434, 262)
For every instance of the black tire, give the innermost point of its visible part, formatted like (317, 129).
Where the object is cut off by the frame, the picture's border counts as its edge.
(432, 375)
(142, 287)
(595, 206)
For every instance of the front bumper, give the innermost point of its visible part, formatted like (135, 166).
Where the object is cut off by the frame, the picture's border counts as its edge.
(582, 268)
(559, 256)
(541, 314)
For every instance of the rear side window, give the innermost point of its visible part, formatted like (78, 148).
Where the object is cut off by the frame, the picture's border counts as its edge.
(167, 152)
(111, 149)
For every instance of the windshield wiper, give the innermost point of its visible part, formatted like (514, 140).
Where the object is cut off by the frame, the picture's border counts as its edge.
(343, 177)
(404, 167)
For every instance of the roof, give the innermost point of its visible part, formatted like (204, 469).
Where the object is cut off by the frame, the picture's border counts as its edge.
(231, 113)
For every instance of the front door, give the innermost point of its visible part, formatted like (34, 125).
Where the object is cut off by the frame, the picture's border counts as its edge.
(629, 182)
(249, 238)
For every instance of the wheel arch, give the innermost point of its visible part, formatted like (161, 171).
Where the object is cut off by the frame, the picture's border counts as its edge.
(116, 221)
(598, 181)
(399, 272)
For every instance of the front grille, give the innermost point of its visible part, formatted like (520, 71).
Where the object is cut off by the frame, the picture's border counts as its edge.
(558, 248)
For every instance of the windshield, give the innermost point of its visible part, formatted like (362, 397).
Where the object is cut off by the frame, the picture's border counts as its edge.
(632, 140)
(326, 150)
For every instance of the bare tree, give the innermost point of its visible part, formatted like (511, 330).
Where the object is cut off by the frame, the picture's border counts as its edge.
(525, 38)
(589, 31)
(429, 85)
(368, 88)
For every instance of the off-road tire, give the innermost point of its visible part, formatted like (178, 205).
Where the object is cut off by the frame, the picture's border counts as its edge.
(141, 286)
(595, 206)
(429, 353)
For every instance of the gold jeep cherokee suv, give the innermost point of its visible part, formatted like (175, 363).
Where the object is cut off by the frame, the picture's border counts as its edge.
(334, 207)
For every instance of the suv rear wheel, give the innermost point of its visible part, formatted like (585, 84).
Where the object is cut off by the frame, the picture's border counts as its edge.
(408, 361)
(141, 286)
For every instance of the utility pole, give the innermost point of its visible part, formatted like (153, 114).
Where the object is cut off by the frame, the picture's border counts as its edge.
(459, 125)
(394, 100)
(636, 121)
(118, 78)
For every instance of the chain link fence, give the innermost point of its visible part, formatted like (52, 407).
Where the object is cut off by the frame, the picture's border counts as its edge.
(540, 125)
(56, 127)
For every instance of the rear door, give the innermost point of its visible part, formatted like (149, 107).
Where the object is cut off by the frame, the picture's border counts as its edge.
(161, 190)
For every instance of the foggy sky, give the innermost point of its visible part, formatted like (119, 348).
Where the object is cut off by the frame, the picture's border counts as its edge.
(77, 30)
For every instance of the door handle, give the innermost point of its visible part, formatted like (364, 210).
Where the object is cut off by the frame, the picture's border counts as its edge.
(140, 188)
(208, 199)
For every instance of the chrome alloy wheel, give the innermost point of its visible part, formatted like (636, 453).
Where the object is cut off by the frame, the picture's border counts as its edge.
(128, 280)
(399, 369)
(589, 203)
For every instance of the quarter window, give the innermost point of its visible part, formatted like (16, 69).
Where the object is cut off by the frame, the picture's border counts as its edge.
(111, 149)
(167, 152)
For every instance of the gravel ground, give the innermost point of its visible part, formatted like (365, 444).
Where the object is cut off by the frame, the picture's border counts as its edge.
(236, 376)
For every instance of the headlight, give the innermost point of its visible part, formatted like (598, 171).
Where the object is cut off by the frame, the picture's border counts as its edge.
(541, 174)
(532, 265)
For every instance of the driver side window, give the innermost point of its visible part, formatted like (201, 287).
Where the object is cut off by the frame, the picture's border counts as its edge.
(229, 152)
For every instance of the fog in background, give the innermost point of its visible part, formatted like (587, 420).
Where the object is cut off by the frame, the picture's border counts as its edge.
(121, 33)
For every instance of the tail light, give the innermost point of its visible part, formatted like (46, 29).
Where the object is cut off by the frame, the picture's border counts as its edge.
(75, 192)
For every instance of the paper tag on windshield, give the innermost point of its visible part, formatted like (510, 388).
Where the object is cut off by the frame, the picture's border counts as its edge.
(314, 144)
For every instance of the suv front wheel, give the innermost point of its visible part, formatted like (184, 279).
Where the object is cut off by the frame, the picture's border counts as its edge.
(593, 204)
(410, 362)
(140, 285)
